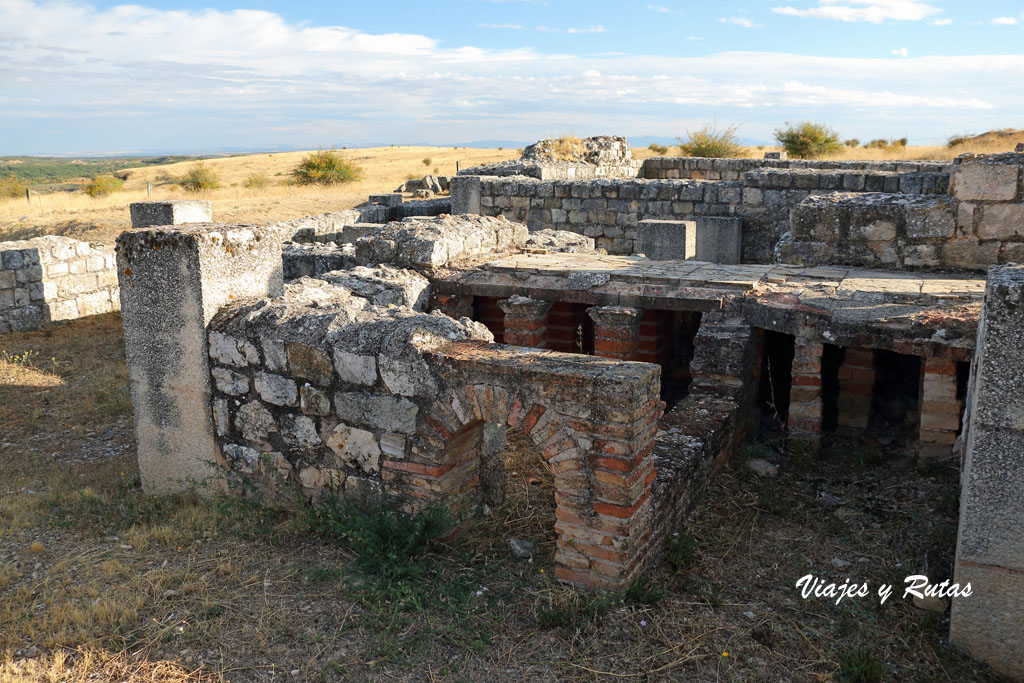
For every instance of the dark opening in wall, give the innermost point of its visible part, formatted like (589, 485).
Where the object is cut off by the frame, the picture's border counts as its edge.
(963, 376)
(776, 380)
(895, 405)
(831, 358)
(679, 329)
(570, 329)
(487, 311)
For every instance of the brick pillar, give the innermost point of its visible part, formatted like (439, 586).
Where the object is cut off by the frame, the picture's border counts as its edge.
(940, 409)
(805, 392)
(525, 321)
(856, 387)
(616, 331)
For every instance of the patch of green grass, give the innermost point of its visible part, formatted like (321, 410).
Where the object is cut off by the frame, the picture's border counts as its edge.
(860, 666)
(646, 592)
(681, 551)
(576, 611)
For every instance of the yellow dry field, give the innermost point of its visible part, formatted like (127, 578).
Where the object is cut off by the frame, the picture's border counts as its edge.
(102, 219)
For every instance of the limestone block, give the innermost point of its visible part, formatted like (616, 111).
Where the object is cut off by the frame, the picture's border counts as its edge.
(230, 351)
(255, 422)
(241, 458)
(299, 433)
(929, 221)
(276, 390)
(230, 382)
(718, 239)
(355, 448)
(313, 401)
(310, 363)
(663, 240)
(354, 368)
(991, 177)
(275, 357)
(377, 411)
(1001, 221)
(221, 417)
(175, 212)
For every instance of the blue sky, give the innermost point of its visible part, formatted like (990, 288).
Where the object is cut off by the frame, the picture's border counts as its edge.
(108, 77)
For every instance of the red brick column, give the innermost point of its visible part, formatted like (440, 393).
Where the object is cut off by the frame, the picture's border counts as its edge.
(616, 331)
(856, 387)
(940, 409)
(453, 305)
(805, 392)
(525, 321)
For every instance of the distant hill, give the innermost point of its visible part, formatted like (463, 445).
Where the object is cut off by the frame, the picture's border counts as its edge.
(1006, 137)
(37, 170)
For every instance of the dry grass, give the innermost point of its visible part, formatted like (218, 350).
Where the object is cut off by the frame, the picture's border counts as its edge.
(100, 582)
(102, 219)
(567, 148)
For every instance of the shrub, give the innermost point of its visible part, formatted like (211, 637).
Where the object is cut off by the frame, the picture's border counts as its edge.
(860, 666)
(102, 185)
(709, 141)
(808, 140)
(878, 144)
(427, 162)
(958, 140)
(658, 149)
(852, 142)
(11, 187)
(257, 180)
(199, 177)
(326, 167)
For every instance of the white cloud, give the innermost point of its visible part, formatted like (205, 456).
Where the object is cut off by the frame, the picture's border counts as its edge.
(208, 78)
(588, 29)
(874, 11)
(661, 9)
(740, 21)
(941, 22)
(1005, 21)
(901, 52)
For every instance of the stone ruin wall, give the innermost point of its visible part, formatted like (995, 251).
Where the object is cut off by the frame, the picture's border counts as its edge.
(48, 279)
(699, 168)
(610, 210)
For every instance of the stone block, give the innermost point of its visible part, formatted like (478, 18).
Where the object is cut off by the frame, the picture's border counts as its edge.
(719, 239)
(663, 240)
(173, 282)
(989, 177)
(174, 212)
(1001, 221)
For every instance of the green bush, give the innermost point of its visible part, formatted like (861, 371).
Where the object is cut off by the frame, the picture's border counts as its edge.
(326, 167)
(11, 187)
(427, 161)
(257, 180)
(808, 140)
(199, 177)
(709, 141)
(102, 185)
(658, 149)
(387, 542)
(852, 142)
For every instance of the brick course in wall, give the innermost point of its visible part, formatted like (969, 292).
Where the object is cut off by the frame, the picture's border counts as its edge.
(51, 278)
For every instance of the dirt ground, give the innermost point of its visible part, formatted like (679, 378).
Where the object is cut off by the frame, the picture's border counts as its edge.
(100, 582)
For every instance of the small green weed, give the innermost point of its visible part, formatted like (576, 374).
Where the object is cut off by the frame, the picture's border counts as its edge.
(860, 666)
(681, 551)
(646, 592)
(577, 611)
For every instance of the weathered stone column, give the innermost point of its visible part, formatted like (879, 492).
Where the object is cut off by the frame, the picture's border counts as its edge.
(940, 408)
(805, 393)
(856, 387)
(525, 321)
(616, 331)
(990, 547)
(172, 284)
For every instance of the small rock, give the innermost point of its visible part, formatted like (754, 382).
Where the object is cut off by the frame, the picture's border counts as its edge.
(762, 468)
(931, 603)
(522, 549)
(295, 672)
(840, 564)
(750, 615)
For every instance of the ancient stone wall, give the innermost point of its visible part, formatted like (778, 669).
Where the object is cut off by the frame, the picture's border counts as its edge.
(698, 168)
(47, 279)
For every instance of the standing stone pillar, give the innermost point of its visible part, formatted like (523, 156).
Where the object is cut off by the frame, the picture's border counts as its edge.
(172, 284)
(172, 212)
(616, 331)
(805, 406)
(989, 623)
(940, 408)
(856, 387)
(525, 321)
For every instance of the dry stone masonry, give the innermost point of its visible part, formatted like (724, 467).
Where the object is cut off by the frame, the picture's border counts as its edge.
(49, 279)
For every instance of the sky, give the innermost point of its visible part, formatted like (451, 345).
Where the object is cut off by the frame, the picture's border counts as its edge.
(217, 75)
